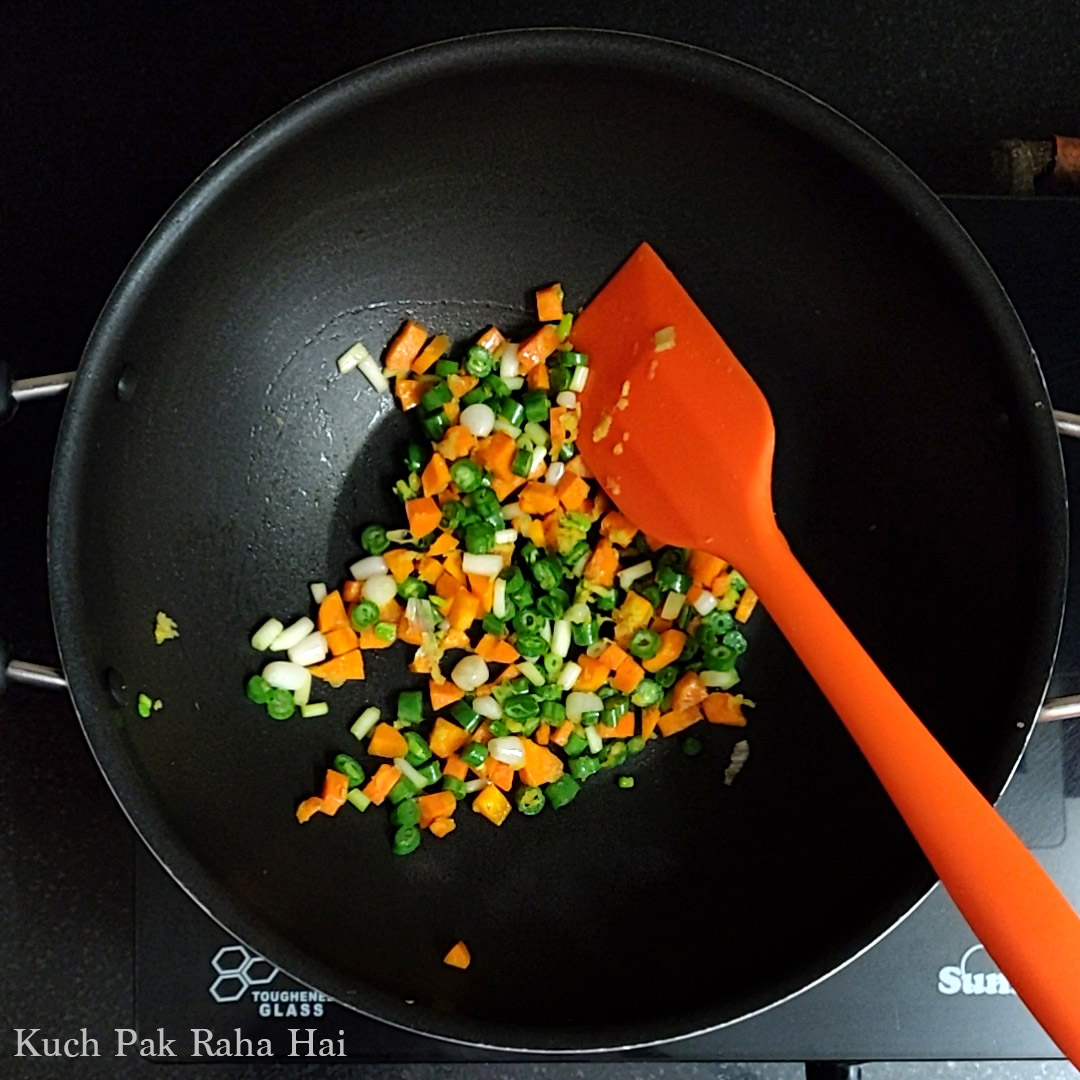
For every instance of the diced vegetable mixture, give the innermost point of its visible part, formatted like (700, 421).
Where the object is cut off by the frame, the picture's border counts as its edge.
(557, 640)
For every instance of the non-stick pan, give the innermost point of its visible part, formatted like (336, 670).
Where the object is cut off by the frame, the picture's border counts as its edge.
(212, 462)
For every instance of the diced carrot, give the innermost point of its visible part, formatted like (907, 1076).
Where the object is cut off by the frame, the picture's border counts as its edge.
(704, 567)
(409, 392)
(380, 785)
(508, 673)
(549, 303)
(342, 640)
(564, 732)
(405, 347)
(483, 588)
(537, 348)
(593, 675)
(492, 339)
(557, 428)
(447, 738)
(458, 442)
(633, 614)
(671, 647)
(504, 488)
(660, 625)
(460, 385)
(447, 586)
(308, 809)
(537, 533)
(493, 804)
(602, 564)
(348, 667)
(618, 528)
(386, 741)
(747, 603)
(482, 734)
(623, 729)
(613, 656)
(444, 694)
(458, 956)
(496, 452)
(538, 498)
(424, 515)
(370, 640)
(538, 378)
(455, 639)
(724, 709)
(453, 410)
(495, 651)
(720, 583)
(678, 720)
(429, 569)
(400, 563)
(452, 565)
(500, 774)
(446, 543)
(455, 767)
(335, 788)
(352, 592)
(391, 611)
(431, 352)
(543, 734)
(551, 530)
(694, 594)
(577, 466)
(332, 614)
(440, 804)
(464, 608)
(436, 475)
(688, 692)
(627, 676)
(410, 633)
(649, 719)
(421, 664)
(442, 826)
(541, 765)
(572, 491)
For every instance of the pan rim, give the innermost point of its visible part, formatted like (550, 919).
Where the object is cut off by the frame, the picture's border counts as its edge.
(744, 83)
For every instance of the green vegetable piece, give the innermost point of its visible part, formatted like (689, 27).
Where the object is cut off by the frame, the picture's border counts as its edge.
(626, 782)
(407, 812)
(403, 789)
(666, 676)
(735, 641)
(410, 707)
(563, 791)
(385, 631)
(473, 754)
(522, 463)
(564, 325)
(145, 705)
(475, 396)
(645, 644)
(431, 772)
(406, 840)
(590, 718)
(435, 425)
(521, 707)
(614, 755)
(548, 572)
(586, 633)
(498, 728)
(479, 538)
(530, 645)
(574, 359)
(466, 475)
(575, 745)
(364, 614)
(258, 690)
(419, 751)
(478, 361)
(691, 746)
(412, 588)
(455, 786)
(635, 745)
(497, 387)
(465, 716)
(581, 768)
(445, 368)
(536, 405)
(646, 693)
(512, 411)
(280, 705)
(415, 456)
(493, 625)
(551, 711)
(347, 764)
(530, 800)
(374, 540)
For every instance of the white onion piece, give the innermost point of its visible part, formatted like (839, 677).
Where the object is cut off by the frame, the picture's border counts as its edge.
(578, 613)
(371, 371)
(580, 702)
(380, 590)
(673, 604)
(560, 638)
(283, 675)
(537, 433)
(503, 426)
(470, 672)
(353, 357)
(537, 459)
(506, 536)
(369, 567)
(631, 574)
(569, 675)
(508, 749)
(719, 680)
(592, 736)
(545, 631)
(515, 382)
(292, 634)
(555, 472)
(484, 565)
(399, 536)
(508, 361)
(531, 672)
(511, 511)
(303, 695)
(475, 785)
(498, 601)
(487, 706)
(366, 722)
(264, 637)
(579, 567)
(596, 648)
(579, 379)
(309, 650)
(478, 418)
(705, 603)
(318, 591)
(410, 773)
(567, 399)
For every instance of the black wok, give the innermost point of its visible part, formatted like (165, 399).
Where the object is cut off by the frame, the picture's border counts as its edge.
(212, 462)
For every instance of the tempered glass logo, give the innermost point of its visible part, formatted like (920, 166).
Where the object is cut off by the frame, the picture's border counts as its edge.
(956, 979)
(240, 971)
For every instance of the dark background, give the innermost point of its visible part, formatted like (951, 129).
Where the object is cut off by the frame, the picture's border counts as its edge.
(109, 110)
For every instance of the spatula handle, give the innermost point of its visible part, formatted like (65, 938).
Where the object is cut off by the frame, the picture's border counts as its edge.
(1010, 902)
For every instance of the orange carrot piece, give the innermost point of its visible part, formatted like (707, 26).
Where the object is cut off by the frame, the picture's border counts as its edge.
(424, 515)
(400, 563)
(678, 720)
(537, 348)
(456, 639)
(720, 583)
(649, 719)
(724, 709)
(411, 634)
(453, 410)
(496, 452)
(342, 640)
(405, 347)
(446, 543)
(538, 498)
(452, 565)
(747, 603)
(436, 475)
(627, 676)
(455, 767)
(543, 734)
(541, 765)
(538, 378)
(335, 788)
(429, 569)
(496, 651)
(458, 956)
(492, 339)
(352, 592)
(332, 614)
(464, 608)
(440, 804)
(613, 656)
(572, 491)
(460, 385)
(483, 588)
(688, 692)
(505, 488)
(380, 785)
(564, 732)
(348, 667)
(602, 564)
(458, 442)
(551, 529)
(369, 639)
(431, 352)
(704, 567)
(482, 734)
(446, 738)
(447, 586)
(593, 675)
(618, 528)
(549, 303)
(308, 809)
(623, 729)
(409, 392)
(386, 741)
(500, 774)
(671, 647)
(444, 694)
(442, 826)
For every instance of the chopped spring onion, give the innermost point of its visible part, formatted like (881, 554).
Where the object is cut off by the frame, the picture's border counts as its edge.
(371, 371)
(560, 638)
(569, 675)
(673, 604)
(315, 708)
(483, 565)
(578, 613)
(380, 590)
(510, 750)
(506, 428)
(411, 774)
(531, 672)
(318, 591)
(508, 362)
(537, 434)
(740, 752)
(399, 536)
(369, 567)
(592, 736)
(633, 573)
(579, 379)
(475, 785)
(479, 419)
(596, 648)
(705, 603)
(265, 636)
(580, 702)
(538, 456)
(288, 637)
(358, 799)
(515, 382)
(470, 672)
(353, 357)
(554, 473)
(366, 722)
(567, 399)
(664, 339)
(511, 511)
(719, 680)
(488, 707)
(506, 536)
(498, 600)
(283, 675)
(309, 650)
(302, 695)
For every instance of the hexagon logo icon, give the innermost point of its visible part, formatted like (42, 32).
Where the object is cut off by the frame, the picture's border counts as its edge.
(238, 969)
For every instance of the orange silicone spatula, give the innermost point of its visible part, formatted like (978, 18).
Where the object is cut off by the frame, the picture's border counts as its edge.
(682, 439)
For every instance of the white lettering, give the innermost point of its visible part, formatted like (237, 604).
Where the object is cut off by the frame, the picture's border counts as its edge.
(949, 980)
(307, 1040)
(265, 1049)
(25, 1048)
(201, 1042)
(125, 1037)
